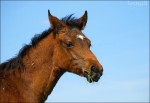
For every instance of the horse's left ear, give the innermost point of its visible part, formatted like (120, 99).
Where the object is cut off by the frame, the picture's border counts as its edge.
(82, 21)
(55, 23)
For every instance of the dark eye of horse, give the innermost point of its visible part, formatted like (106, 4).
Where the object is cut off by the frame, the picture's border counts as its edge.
(69, 44)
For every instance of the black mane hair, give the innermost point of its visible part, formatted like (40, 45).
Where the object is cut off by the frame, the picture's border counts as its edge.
(17, 63)
(71, 22)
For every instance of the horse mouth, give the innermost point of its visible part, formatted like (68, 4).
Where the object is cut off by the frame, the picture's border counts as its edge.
(91, 76)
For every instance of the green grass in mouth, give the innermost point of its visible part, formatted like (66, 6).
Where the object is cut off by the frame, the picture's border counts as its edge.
(89, 77)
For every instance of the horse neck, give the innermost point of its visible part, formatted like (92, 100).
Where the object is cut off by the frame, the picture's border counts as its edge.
(40, 72)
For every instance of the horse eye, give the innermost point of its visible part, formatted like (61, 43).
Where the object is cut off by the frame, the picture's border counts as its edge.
(69, 44)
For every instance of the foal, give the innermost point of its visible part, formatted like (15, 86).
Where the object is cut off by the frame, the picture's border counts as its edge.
(33, 73)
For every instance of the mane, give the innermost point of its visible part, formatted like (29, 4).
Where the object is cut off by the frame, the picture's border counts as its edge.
(17, 62)
(71, 21)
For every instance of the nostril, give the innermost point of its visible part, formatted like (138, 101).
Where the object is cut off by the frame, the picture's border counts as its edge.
(101, 71)
(94, 69)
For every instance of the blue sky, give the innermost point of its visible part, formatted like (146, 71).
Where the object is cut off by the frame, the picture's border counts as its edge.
(119, 31)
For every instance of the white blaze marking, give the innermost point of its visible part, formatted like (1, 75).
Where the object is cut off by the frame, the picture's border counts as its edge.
(80, 36)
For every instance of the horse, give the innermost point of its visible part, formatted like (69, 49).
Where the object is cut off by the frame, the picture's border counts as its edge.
(32, 74)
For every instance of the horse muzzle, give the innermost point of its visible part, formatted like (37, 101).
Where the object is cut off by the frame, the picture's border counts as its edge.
(94, 74)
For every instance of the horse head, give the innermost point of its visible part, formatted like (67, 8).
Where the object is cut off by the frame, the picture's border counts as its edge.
(72, 48)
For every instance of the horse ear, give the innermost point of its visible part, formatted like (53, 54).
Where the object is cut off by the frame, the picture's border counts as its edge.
(83, 20)
(55, 23)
